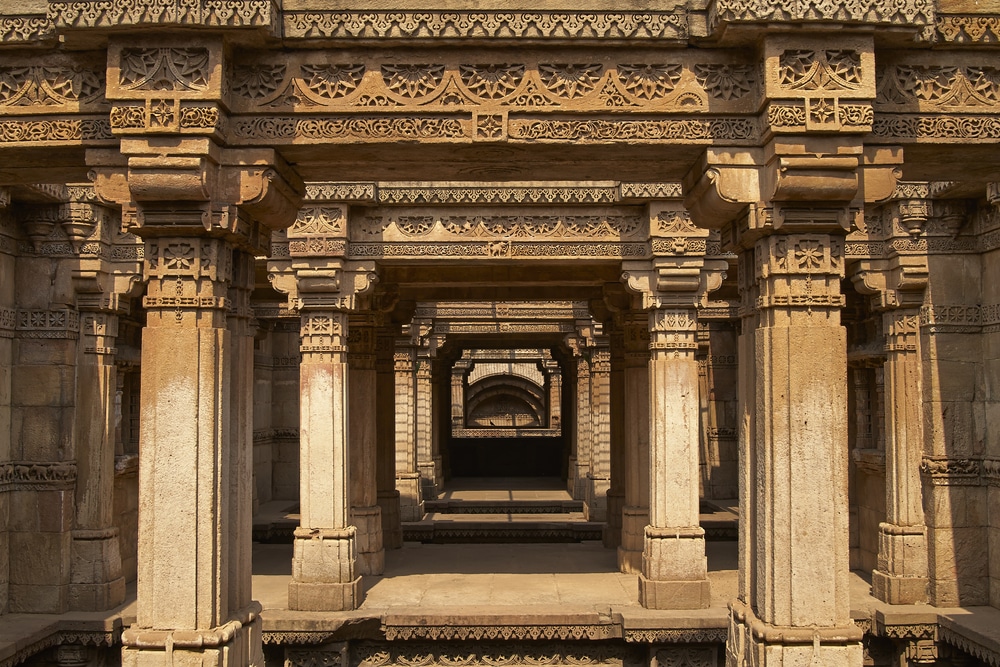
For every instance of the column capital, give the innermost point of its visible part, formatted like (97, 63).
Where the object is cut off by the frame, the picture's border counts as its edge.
(792, 181)
(193, 187)
(673, 282)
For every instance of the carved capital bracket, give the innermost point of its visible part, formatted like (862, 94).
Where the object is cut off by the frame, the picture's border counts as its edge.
(673, 282)
(192, 187)
(343, 287)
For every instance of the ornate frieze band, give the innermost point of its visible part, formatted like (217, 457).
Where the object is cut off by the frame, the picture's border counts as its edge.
(112, 14)
(495, 632)
(908, 13)
(312, 81)
(29, 475)
(487, 25)
(491, 193)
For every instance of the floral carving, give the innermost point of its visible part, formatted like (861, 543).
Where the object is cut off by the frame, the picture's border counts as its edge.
(258, 81)
(331, 82)
(823, 70)
(319, 220)
(570, 81)
(412, 80)
(491, 82)
(724, 82)
(43, 86)
(649, 82)
(164, 69)
(941, 85)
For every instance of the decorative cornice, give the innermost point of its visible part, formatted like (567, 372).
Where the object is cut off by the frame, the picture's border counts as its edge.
(676, 636)
(491, 193)
(951, 318)
(906, 13)
(493, 632)
(990, 656)
(488, 25)
(31, 28)
(967, 29)
(124, 14)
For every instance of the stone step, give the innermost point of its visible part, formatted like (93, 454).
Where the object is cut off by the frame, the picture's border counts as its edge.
(492, 532)
(503, 506)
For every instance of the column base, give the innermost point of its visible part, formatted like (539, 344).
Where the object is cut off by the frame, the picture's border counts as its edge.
(753, 642)
(899, 590)
(324, 570)
(674, 569)
(595, 507)
(392, 531)
(411, 506)
(901, 574)
(611, 536)
(428, 482)
(634, 521)
(371, 554)
(658, 594)
(577, 483)
(310, 596)
(155, 648)
(96, 581)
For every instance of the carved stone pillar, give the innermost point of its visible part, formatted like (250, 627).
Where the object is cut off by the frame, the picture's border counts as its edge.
(674, 566)
(365, 514)
(553, 392)
(612, 534)
(458, 372)
(187, 473)
(423, 385)
(324, 560)
(241, 327)
(635, 513)
(798, 560)
(901, 575)
(579, 462)
(198, 206)
(411, 504)
(96, 580)
(385, 437)
(599, 476)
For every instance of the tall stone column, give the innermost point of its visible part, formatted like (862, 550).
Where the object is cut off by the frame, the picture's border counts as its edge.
(324, 561)
(635, 513)
(203, 210)
(411, 503)
(582, 423)
(897, 285)
(385, 437)
(96, 580)
(458, 372)
(553, 393)
(190, 542)
(599, 475)
(423, 376)
(241, 328)
(440, 417)
(901, 574)
(612, 534)
(798, 558)
(366, 515)
(674, 567)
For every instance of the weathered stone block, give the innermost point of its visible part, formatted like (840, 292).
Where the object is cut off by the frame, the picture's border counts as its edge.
(39, 558)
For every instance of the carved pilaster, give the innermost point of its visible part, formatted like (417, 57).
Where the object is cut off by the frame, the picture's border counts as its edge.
(635, 513)
(366, 515)
(612, 535)
(385, 437)
(96, 580)
(599, 476)
(411, 504)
